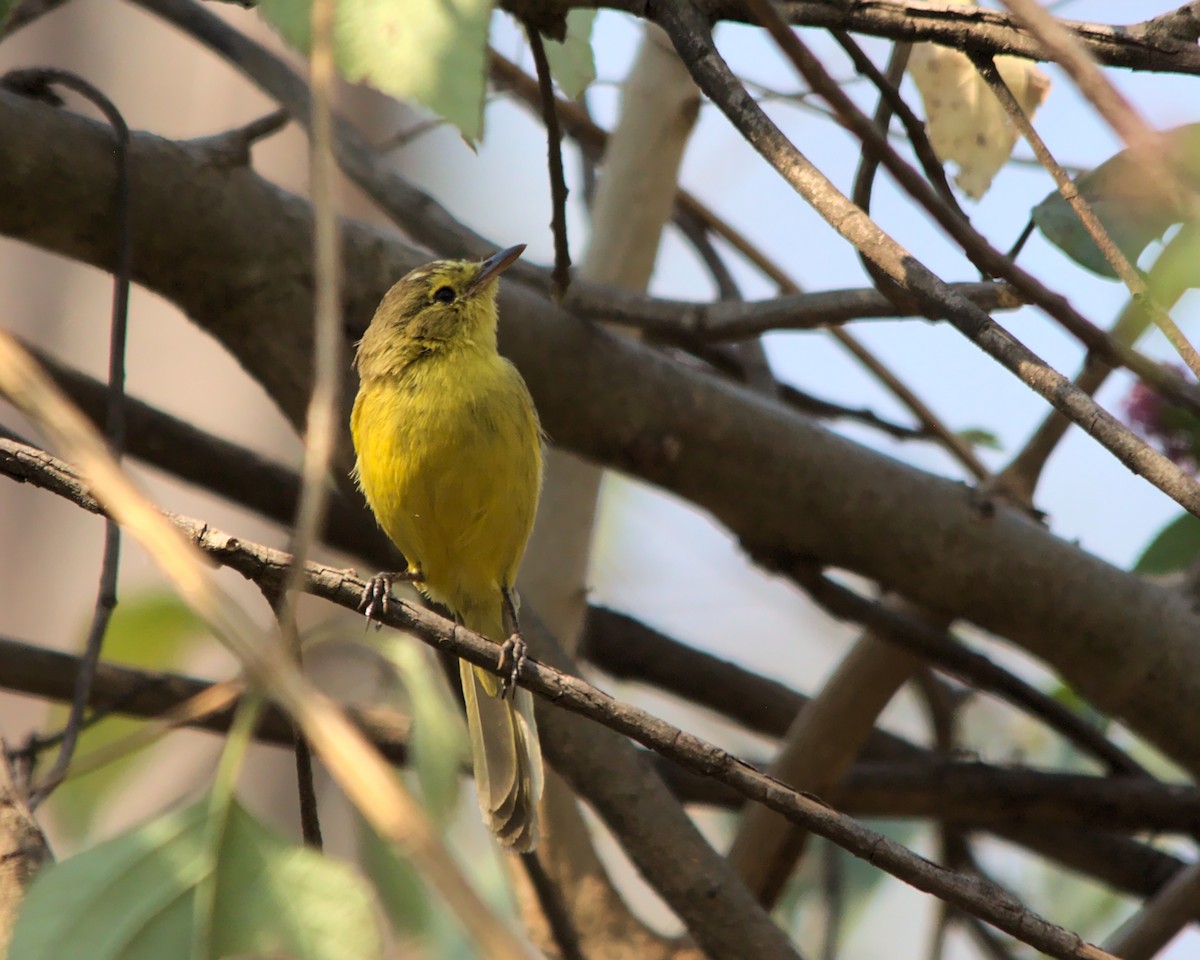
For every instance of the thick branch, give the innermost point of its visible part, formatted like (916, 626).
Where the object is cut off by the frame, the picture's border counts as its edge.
(269, 568)
(147, 694)
(225, 468)
(895, 780)
(981, 796)
(779, 482)
(975, 795)
(1163, 44)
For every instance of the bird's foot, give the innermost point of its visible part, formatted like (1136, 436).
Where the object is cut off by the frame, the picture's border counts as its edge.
(377, 594)
(513, 654)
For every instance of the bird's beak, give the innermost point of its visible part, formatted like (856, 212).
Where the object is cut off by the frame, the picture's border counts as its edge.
(493, 266)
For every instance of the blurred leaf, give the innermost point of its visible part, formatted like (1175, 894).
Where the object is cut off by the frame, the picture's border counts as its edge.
(397, 883)
(571, 62)
(431, 51)
(6, 9)
(412, 912)
(965, 122)
(1176, 547)
(274, 896)
(1178, 267)
(151, 630)
(439, 740)
(978, 437)
(1133, 207)
(135, 897)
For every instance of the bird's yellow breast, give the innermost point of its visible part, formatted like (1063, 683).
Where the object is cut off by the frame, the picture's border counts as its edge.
(449, 458)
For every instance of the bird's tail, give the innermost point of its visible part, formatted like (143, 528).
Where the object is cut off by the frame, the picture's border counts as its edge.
(504, 744)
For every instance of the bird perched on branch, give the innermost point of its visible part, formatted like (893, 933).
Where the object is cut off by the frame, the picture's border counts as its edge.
(450, 460)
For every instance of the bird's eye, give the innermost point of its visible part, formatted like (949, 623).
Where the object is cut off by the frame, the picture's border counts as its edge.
(444, 295)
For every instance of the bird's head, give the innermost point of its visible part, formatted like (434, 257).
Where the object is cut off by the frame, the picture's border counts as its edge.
(443, 304)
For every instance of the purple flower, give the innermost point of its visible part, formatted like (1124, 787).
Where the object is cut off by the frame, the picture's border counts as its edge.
(1174, 431)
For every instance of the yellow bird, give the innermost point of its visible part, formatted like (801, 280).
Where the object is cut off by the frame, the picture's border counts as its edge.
(450, 459)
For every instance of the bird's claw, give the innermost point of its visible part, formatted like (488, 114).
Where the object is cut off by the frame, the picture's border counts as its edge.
(377, 597)
(377, 594)
(513, 654)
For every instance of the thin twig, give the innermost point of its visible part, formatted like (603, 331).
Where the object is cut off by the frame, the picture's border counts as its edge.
(690, 212)
(1128, 273)
(905, 270)
(864, 182)
(932, 425)
(689, 30)
(37, 82)
(1019, 244)
(1067, 50)
(1019, 479)
(321, 428)
(208, 701)
(231, 148)
(556, 912)
(306, 790)
(944, 705)
(561, 277)
(868, 166)
(310, 819)
(322, 420)
(889, 94)
(724, 321)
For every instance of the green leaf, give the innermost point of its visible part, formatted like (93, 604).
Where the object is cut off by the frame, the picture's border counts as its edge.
(440, 747)
(400, 890)
(279, 897)
(406, 900)
(135, 897)
(6, 9)
(1176, 547)
(94, 904)
(978, 437)
(571, 62)
(431, 51)
(1130, 204)
(152, 630)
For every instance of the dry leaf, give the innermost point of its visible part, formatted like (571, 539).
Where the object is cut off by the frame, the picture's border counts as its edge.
(965, 121)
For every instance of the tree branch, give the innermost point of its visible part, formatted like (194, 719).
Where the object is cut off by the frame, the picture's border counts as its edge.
(1163, 44)
(724, 320)
(777, 480)
(972, 794)
(268, 568)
